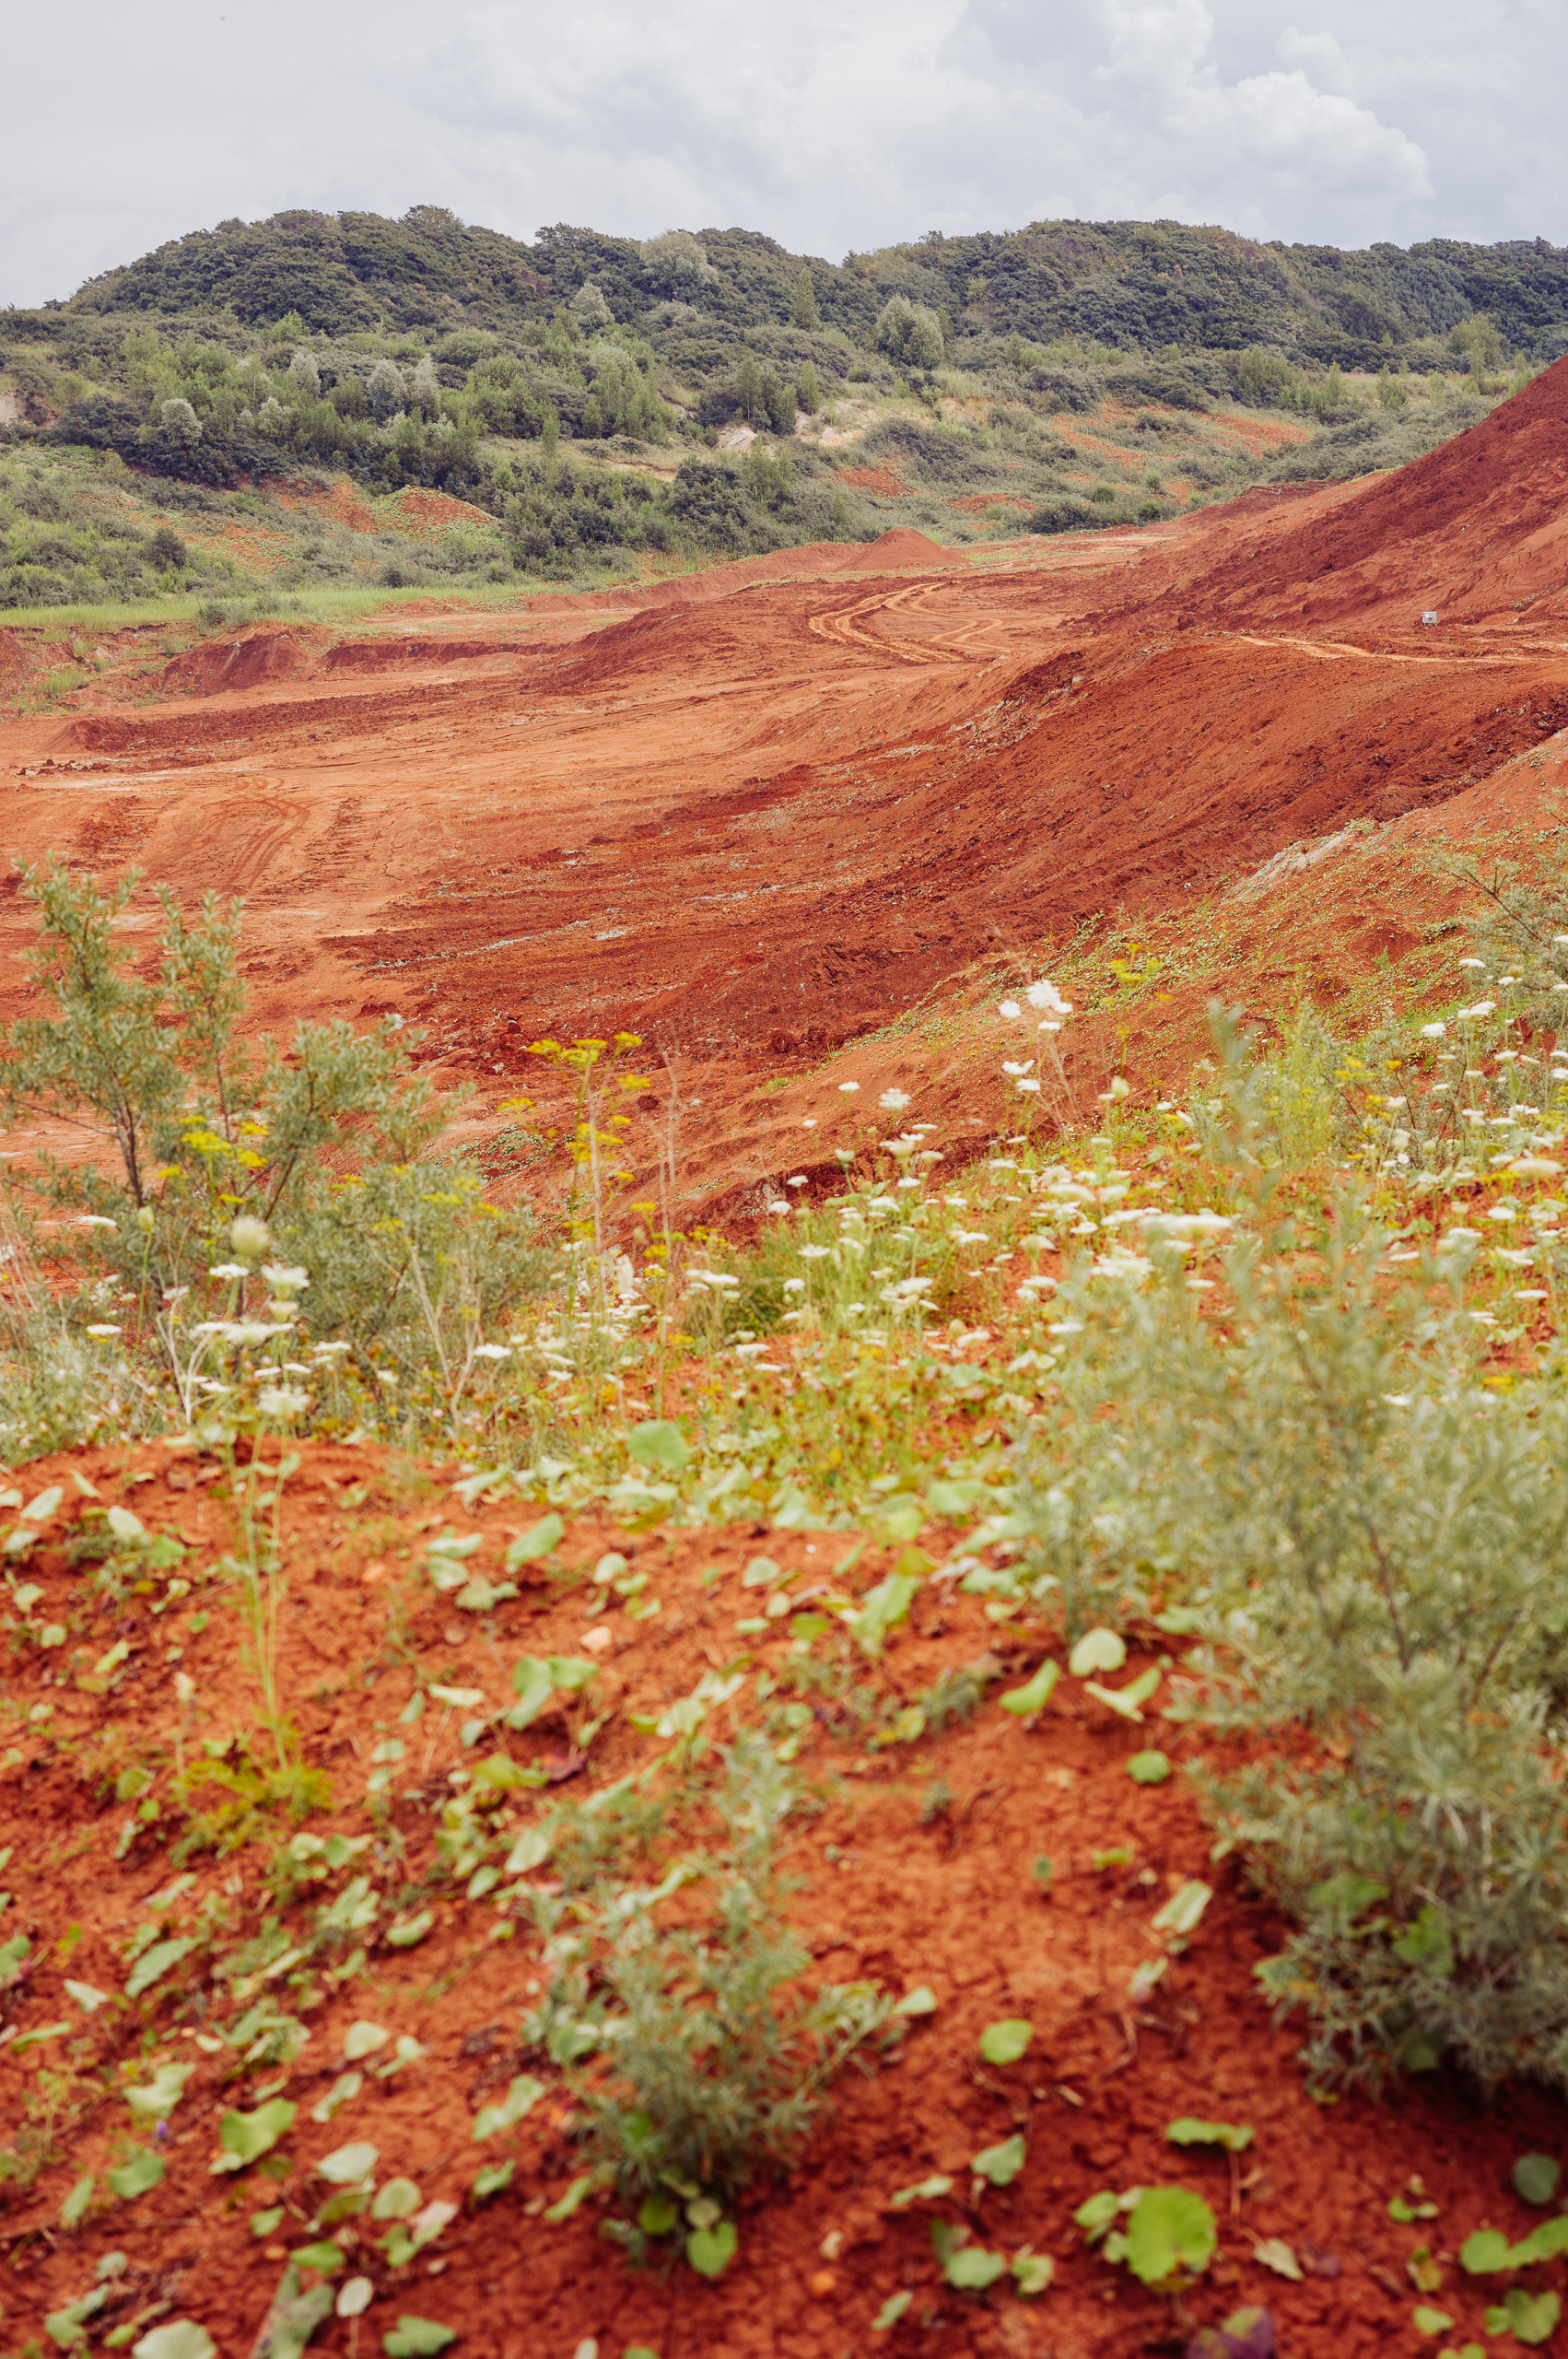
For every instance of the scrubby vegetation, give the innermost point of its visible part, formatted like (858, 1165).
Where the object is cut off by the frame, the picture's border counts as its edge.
(575, 392)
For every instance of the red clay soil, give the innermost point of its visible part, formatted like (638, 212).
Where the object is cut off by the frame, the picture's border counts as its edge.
(1475, 532)
(903, 1885)
(774, 806)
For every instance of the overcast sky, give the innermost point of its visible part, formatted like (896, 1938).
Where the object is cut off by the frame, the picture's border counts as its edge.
(830, 124)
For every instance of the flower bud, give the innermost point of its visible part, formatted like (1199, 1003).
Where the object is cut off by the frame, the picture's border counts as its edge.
(250, 1237)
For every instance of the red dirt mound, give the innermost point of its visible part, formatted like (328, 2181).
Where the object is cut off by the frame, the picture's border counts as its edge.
(901, 546)
(220, 665)
(426, 515)
(1478, 527)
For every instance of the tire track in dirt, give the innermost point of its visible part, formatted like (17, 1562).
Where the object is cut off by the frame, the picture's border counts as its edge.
(760, 817)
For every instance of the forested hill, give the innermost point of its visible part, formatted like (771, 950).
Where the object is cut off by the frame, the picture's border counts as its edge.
(1126, 284)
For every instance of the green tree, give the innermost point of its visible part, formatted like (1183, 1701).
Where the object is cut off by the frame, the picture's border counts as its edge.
(909, 333)
(181, 420)
(677, 264)
(589, 310)
(1477, 343)
(748, 387)
(808, 392)
(385, 393)
(802, 309)
(779, 402)
(425, 388)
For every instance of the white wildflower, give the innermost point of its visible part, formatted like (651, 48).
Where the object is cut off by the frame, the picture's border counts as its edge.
(1009, 1009)
(285, 1281)
(282, 1401)
(1045, 995)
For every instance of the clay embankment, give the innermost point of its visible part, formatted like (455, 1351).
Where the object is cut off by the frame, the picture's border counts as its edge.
(770, 807)
(1477, 533)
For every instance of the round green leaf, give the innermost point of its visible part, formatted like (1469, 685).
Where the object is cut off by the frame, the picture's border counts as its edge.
(1535, 2178)
(1148, 1768)
(658, 1443)
(1169, 2229)
(1532, 2317)
(322, 2258)
(245, 2137)
(397, 2201)
(1097, 1650)
(349, 2166)
(416, 2339)
(1430, 2321)
(971, 2269)
(143, 2171)
(710, 2250)
(1484, 2253)
(1005, 2042)
(412, 1929)
(1001, 2164)
(181, 2339)
(354, 2298)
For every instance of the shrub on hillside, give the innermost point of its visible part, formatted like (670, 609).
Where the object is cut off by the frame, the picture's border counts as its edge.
(910, 333)
(326, 1148)
(1373, 1537)
(713, 2059)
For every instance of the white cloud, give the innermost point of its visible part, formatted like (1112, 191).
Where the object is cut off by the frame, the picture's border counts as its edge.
(838, 124)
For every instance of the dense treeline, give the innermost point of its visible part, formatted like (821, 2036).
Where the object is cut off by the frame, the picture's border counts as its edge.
(1133, 286)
